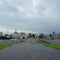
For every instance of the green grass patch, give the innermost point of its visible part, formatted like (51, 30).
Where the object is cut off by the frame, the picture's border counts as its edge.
(55, 46)
(7, 45)
(4, 46)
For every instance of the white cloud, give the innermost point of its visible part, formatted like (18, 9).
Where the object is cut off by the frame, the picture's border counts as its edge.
(1, 2)
(20, 8)
(34, 3)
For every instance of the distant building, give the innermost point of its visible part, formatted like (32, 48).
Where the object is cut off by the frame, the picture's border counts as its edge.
(23, 35)
(58, 36)
(1, 33)
(16, 35)
(54, 35)
(7, 36)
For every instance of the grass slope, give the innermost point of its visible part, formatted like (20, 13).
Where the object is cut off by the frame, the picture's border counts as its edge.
(4, 46)
(55, 46)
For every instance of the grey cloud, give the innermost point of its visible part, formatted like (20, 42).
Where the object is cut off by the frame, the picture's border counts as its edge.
(44, 17)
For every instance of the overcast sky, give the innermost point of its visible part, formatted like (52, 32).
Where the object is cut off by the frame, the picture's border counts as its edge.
(30, 15)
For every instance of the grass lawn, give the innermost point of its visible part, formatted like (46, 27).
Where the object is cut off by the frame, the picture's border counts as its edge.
(4, 46)
(7, 45)
(55, 46)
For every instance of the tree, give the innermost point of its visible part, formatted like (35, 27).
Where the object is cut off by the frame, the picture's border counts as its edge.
(30, 35)
(33, 35)
(41, 36)
(51, 35)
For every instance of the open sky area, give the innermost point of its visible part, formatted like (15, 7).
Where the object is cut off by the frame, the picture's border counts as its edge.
(30, 15)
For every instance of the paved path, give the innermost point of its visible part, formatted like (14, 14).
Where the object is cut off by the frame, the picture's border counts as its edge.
(56, 41)
(5, 41)
(29, 50)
